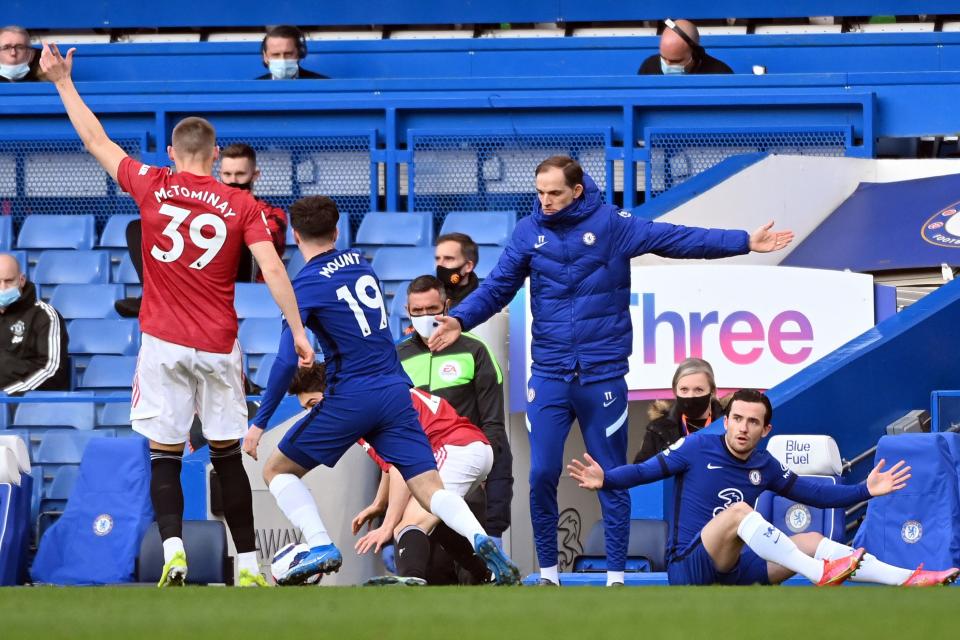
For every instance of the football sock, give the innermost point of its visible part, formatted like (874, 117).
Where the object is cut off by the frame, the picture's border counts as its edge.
(248, 561)
(550, 573)
(166, 493)
(170, 548)
(614, 576)
(413, 553)
(451, 508)
(773, 545)
(237, 497)
(297, 503)
(461, 551)
(870, 570)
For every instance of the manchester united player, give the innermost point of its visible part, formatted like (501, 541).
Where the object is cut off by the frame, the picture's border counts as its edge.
(189, 362)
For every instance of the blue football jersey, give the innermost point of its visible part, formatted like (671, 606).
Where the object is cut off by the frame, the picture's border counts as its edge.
(709, 478)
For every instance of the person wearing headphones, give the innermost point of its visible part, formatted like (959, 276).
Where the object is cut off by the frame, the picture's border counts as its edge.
(681, 53)
(282, 49)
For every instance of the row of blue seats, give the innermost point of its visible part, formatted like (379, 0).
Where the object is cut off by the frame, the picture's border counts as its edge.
(81, 415)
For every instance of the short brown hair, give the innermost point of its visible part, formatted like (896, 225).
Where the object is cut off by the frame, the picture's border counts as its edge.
(314, 217)
(240, 150)
(422, 284)
(309, 379)
(467, 246)
(194, 136)
(572, 171)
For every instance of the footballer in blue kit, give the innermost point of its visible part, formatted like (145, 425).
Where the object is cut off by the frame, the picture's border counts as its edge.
(715, 536)
(367, 396)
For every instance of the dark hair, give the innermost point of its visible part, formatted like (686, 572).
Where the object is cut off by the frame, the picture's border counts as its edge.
(467, 246)
(194, 136)
(752, 396)
(422, 284)
(239, 150)
(572, 171)
(288, 32)
(314, 217)
(309, 379)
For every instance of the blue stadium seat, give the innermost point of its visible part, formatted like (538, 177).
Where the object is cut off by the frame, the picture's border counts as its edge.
(484, 227)
(57, 232)
(295, 263)
(120, 337)
(262, 374)
(109, 372)
(78, 415)
(399, 319)
(259, 335)
(54, 496)
(646, 551)
(253, 300)
(394, 265)
(489, 255)
(93, 301)
(377, 230)
(114, 415)
(57, 267)
(6, 233)
(127, 275)
(114, 238)
(65, 447)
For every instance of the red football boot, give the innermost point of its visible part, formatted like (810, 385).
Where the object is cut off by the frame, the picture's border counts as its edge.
(837, 571)
(923, 578)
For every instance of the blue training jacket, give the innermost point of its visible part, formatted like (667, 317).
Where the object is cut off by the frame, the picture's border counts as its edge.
(578, 261)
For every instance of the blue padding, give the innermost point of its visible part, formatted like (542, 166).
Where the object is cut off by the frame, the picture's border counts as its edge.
(793, 518)
(86, 301)
(14, 530)
(97, 539)
(6, 233)
(205, 543)
(57, 232)
(638, 579)
(414, 229)
(483, 227)
(120, 336)
(72, 267)
(79, 415)
(920, 523)
(253, 300)
(109, 372)
(647, 547)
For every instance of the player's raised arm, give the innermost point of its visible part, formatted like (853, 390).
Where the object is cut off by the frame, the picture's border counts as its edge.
(57, 70)
(275, 275)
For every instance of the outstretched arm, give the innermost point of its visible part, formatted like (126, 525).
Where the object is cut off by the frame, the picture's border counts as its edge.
(824, 495)
(57, 69)
(592, 476)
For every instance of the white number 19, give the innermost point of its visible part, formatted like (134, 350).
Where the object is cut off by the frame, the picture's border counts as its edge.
(172, 231)
(375, 301)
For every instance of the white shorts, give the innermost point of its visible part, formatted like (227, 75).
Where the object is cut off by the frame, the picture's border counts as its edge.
(463, 468)
(173, 382)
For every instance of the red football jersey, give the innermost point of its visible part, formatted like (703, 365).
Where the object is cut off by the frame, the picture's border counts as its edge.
(193, 229)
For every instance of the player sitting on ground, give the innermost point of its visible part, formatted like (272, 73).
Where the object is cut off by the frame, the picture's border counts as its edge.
(367, 397)
(464, 458)
(716, 538)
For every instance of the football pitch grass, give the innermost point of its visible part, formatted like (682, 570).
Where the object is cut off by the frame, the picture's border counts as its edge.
(451, 613)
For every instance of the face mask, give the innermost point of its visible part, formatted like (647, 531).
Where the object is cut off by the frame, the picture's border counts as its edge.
(284, 69)
(672, 69)
(426, 326)
(693, 407)
(450, 276)
(246, 186)
(14, 71)
(9, 296)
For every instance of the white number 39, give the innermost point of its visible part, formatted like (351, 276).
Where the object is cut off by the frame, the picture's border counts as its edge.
(211, 246)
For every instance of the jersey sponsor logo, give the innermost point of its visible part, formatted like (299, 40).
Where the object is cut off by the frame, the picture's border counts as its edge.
(540, 242)
(943, 228)
(797, 518)
(449, 371)
(341, 261)
(18, 329)
(589, 238)
(911, 532)
(624, 214)
(102, 524)
(144, 168)
(755, 477)
(714, 466)
(730, 496)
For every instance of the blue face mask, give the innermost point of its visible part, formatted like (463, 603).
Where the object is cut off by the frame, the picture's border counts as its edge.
(9, 296)
(14, 71)
(284, 69)
(672, 69)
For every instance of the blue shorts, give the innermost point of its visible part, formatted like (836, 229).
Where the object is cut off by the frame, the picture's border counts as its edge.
(696, 567)
(384, 417)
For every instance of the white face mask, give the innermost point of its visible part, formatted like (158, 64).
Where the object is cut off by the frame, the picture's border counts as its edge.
(14, 71)
(284, 69)
(426, 326)
(669, 69)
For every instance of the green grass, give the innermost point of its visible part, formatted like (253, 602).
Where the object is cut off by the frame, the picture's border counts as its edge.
(450, 613)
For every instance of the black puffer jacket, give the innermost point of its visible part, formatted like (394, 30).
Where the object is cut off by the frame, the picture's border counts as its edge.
(664, 428)
(33, 346)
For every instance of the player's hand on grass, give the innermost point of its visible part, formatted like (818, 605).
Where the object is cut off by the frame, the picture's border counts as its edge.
(304, 350)
(588, 476)
(764, 240)
(446, 334)
(366, 517)
(54, 66)
(880, 482)
(374, 540)
(251, 440)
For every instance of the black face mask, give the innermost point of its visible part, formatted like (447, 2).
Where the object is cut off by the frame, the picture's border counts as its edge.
(693, 407)
(237, 185)
(450, 276)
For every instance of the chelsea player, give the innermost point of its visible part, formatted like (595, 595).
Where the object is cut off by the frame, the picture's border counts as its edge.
(716, 538)
(368, 396)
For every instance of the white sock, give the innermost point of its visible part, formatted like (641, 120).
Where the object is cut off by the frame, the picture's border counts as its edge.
(455, 513)
(870, 570)
(773, 545)
(170, 547)
(248, 561)
(297, 503)
(550, 573)
(614, 576)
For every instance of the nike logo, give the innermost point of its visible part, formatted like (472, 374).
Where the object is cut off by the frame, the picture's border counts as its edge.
(713, 466)
(609, 402)
(540, 244)
(400, 551)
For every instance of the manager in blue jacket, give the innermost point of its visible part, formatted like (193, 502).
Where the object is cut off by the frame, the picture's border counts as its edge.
(576, 251)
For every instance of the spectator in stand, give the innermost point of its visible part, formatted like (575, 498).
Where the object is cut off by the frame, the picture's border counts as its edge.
(681, 53)
(33, 336)
(282, 49)
(19, 62)
(456, 256)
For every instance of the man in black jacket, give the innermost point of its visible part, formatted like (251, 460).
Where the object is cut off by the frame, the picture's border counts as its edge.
(681, 53)
(33, 336)
(282, 49)
(457, 255)
(19, 62)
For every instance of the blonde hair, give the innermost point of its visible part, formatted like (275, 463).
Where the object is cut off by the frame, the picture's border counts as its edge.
(691, 366)
(194, 136)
